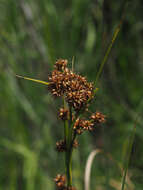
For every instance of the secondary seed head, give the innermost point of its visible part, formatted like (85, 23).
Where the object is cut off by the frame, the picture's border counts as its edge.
(61, 64)
(61, 146)
(78, 126)
(60, 181)
(97, 118)
(63, 114)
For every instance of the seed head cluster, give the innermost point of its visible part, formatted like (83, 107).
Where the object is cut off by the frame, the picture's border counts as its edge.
(98, 118)
(75, 88)
(61, 145)
(60, 181)
(63, 114)
(81, 125)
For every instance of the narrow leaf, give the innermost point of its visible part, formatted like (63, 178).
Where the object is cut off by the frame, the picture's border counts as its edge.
(109, 48)
(34, 80)
(128, 154)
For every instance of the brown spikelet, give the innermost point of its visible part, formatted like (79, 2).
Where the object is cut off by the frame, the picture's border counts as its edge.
(64, 114)
(87, 125)
(78, 126)
(60, 181)
(61, 146)
(61, 64)
(82, 124)
(98, 118)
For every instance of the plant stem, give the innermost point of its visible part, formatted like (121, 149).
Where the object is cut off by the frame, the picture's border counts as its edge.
(69, 167)
(68, 154)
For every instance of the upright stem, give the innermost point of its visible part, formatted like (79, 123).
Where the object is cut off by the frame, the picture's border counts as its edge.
(68, 153)
(69, 167)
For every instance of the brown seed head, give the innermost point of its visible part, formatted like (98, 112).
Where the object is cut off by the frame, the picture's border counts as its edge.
(87, 125)
(64, 114)
(97, 118)
(61, 64)
(61, 146)
(60, 181)
(78, 126)
(82, 124)
(74, 87)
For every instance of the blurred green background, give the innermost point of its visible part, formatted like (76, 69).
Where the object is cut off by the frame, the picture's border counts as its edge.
(33, 34)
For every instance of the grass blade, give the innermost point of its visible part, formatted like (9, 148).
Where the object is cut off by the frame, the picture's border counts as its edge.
(109, 48)
(108, 52)
(128, 154)
(34, 80)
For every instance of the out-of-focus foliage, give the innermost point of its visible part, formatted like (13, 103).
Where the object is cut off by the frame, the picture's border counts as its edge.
(33, 34)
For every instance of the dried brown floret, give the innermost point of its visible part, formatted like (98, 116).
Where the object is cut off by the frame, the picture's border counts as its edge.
(78, 126)
(61, 146)
(87, 125)
(64, 114)
(60, 181)
(97, 118)
(55, 83)
(82, 124)
(61, 64)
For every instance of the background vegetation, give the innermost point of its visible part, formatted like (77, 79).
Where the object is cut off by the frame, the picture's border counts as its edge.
(33, 34)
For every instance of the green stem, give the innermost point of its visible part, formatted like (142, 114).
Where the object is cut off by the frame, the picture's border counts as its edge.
(68, 153)
(69, 167)
(66, 131)
(128, 153)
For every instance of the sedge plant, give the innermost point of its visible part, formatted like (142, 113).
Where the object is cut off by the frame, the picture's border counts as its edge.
(76, 94)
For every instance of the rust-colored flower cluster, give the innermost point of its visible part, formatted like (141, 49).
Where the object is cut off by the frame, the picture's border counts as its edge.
(98, 118)
(81, 125)
(75, 88)
(60, 181)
